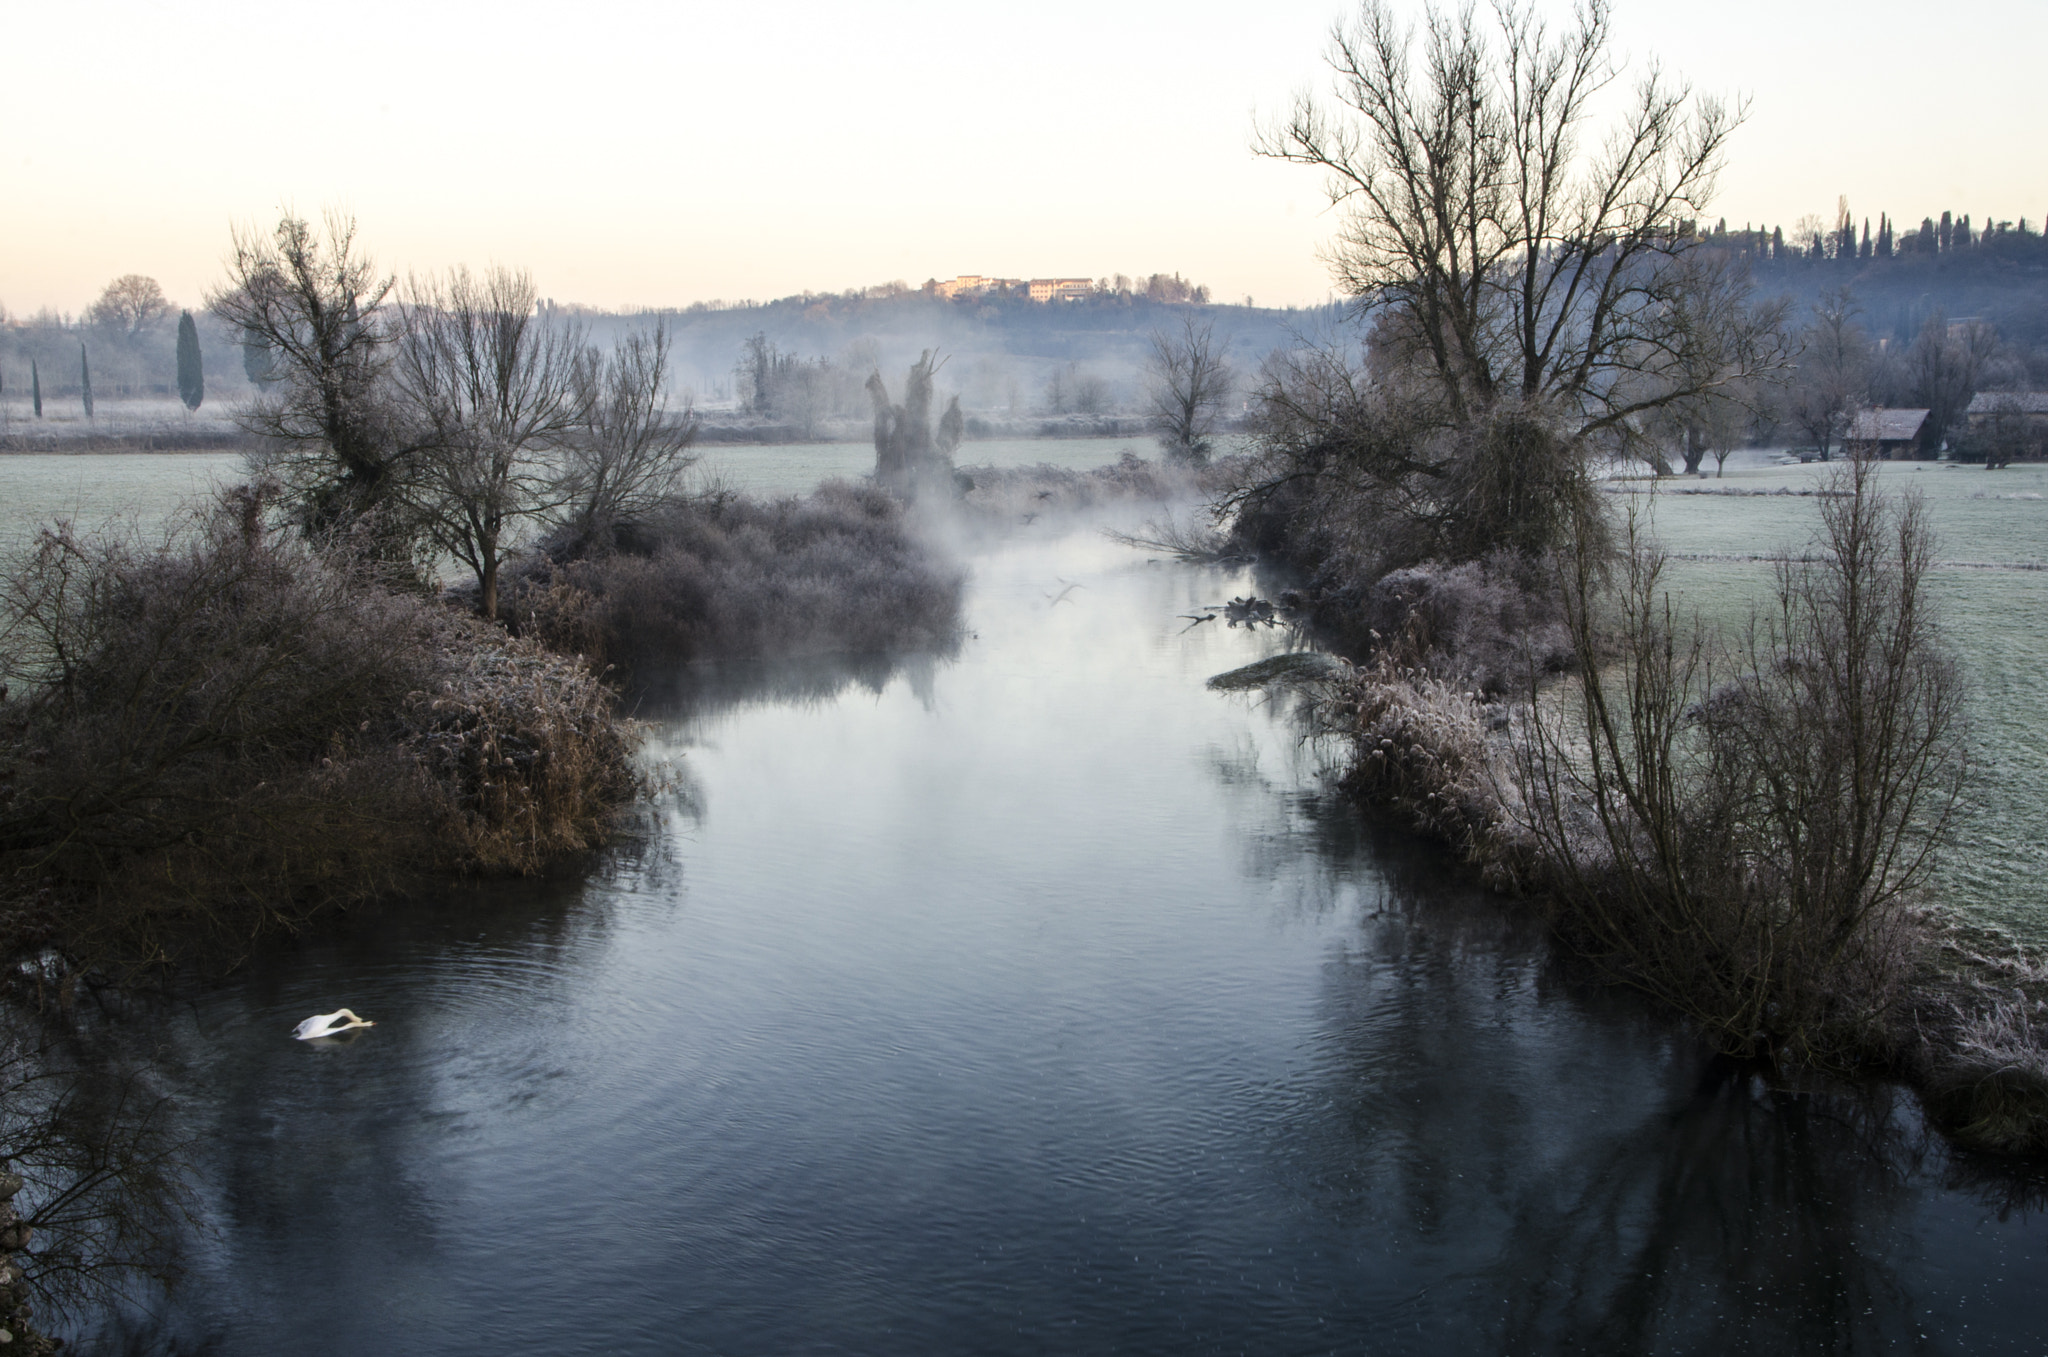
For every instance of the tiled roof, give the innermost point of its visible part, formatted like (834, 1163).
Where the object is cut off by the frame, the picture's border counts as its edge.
(2028, 402)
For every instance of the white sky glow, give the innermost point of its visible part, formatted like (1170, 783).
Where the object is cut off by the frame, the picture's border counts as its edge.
(641, 153)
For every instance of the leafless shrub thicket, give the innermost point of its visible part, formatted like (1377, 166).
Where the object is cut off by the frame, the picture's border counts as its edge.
(731, 578)
(1427, 543)
(219, 733)
(1745, 832)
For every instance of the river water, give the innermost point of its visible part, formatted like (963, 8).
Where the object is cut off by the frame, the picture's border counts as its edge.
(1030, 999)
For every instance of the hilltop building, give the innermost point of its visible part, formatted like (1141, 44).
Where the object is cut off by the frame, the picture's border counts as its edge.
(1037, 289)
(973, 285)
(1061, 289)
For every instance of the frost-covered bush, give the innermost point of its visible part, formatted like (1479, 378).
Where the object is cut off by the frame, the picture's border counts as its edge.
(837, 571)
(223, 731)
(1424, 750)
(1487, 624)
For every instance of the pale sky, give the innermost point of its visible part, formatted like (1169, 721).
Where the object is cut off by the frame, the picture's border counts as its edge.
(639, 153)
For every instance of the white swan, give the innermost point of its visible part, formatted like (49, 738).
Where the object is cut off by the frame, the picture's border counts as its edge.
(327, 1024)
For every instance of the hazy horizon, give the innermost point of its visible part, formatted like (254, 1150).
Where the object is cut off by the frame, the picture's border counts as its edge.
(660, 156)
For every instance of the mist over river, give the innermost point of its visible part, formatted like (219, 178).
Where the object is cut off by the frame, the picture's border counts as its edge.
(1030, 999)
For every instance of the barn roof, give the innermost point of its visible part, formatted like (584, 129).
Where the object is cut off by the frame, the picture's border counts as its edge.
(1886, 426)
(2027, 402)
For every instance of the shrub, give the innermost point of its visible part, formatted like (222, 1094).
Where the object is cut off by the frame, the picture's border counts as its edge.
(732, 577)
(1485, 624)
(223, 732)
(1424, 751)
(1748, 846)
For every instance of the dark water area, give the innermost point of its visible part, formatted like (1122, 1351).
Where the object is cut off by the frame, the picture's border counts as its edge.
(1031, 999)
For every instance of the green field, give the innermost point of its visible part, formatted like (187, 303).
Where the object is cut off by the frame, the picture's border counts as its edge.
(1993, 592)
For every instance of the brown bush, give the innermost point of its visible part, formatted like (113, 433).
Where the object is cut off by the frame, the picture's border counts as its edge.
(227, 730)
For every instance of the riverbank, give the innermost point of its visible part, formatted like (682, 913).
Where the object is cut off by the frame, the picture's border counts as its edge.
(221, 732)
(227, 733)
(1963, 1028)
(1677, 807)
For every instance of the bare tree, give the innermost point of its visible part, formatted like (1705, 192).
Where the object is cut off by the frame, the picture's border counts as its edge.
(316, 309)
(1190, 381)
(1521, 269)
(1727, 421)
(2007, 435)
(1832, 371)
(492, 392)
(631, 454)
(1944, 366)
(1710, 422)
(1743, 836)
(129, 305)
(904, 453)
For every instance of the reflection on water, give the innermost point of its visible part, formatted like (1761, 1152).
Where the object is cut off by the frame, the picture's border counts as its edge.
(1031, 999)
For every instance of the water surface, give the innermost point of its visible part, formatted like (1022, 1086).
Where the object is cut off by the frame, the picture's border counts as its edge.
(1033, 999)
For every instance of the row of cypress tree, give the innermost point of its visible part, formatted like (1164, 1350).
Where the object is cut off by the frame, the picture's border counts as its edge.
(191, 372)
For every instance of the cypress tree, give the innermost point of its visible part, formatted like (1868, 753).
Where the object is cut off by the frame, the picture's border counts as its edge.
(1945, 238)
(191, 375)
(85, 378)
(35, 387)
(1867, 249)
(1778, 244)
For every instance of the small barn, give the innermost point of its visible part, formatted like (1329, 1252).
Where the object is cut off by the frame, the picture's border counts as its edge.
(2005, 426)
(1885, 434)
(2032, 406)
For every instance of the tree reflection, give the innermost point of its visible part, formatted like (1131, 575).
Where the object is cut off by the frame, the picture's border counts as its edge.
(701, 691)
(90, 1135)
(1738, 1220)
(1550, 1165)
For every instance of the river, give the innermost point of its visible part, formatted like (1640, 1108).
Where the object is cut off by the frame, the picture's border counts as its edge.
(1030, 999)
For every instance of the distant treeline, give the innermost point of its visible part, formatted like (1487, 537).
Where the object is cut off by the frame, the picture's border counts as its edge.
(129, 342)
(1991, 271)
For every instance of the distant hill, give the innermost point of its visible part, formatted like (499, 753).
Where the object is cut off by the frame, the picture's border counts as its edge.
(1999, 278)
(1005, 356)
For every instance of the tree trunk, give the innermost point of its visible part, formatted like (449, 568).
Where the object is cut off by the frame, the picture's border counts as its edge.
(1695, 450)
(488, 579)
